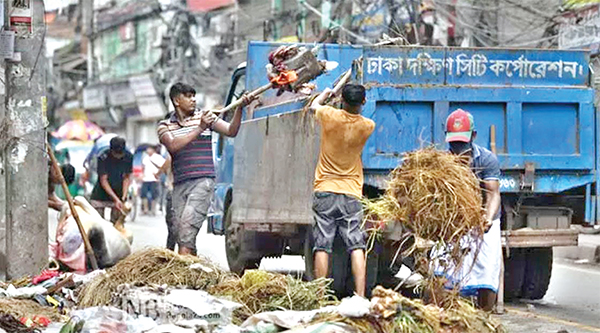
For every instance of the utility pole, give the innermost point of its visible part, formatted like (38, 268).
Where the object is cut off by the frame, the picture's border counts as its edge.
(87, 33)
(276, 8)
(23, 163)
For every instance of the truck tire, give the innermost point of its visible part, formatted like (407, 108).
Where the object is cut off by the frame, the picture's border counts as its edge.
(235, 246)
(514, 274)
(309, 260)
(537, 273)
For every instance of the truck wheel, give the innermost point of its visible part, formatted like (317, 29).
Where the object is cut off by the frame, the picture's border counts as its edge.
(309, 259)
(235, 248)
(537, 273)
(514, 274)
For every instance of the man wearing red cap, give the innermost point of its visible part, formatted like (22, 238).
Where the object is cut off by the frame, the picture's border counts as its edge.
(481, 278)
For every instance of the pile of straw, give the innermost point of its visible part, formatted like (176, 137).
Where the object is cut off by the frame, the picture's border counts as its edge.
(435, 195)
(257, 291)
(151, 266)
(260, 291)
(413, 316)
(27, 308)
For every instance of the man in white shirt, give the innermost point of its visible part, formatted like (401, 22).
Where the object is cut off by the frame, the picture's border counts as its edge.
(151, 163)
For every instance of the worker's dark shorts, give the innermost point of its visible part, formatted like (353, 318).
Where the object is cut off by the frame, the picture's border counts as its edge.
(337, 213)
(191, 201)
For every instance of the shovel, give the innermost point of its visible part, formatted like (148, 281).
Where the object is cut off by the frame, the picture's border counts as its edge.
(306, 67)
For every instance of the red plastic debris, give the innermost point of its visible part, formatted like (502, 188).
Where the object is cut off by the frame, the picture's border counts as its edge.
(36, 321)
(44, 276)
(42, 321)
(285, 78)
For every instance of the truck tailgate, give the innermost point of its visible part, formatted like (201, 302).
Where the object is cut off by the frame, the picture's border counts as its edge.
(275, 159)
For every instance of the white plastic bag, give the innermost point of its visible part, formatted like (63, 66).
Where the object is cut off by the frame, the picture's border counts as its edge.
(354, 306)
(25, 292)
(112, 320)
(170, 306)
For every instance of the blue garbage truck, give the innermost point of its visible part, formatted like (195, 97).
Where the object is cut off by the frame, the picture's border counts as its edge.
(533, 108)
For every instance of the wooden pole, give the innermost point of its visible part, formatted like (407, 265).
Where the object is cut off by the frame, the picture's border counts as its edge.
(341, 82)
(241, 101)
(493, 139)
(86, 242)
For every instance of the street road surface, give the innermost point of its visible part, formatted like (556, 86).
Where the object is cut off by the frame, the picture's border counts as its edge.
(571, 305)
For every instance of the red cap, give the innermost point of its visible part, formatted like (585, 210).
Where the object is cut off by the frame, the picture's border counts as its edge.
(459, 126)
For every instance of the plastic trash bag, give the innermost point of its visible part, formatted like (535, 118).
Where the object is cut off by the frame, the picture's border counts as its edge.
(112, 320)
(354, 306)
(170, 305)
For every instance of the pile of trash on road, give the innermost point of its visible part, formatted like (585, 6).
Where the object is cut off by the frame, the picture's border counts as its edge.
(257, 291)
(156, 290)
(152, 266)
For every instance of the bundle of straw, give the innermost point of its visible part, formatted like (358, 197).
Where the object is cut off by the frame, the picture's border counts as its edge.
(437, 198)
(435, 195)
(151, 266)
(260, 291)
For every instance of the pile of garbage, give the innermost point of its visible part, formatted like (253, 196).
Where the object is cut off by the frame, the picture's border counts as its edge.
(156, 290)
(291, 68)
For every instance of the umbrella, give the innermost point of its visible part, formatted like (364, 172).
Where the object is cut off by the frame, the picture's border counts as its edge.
(78, 130)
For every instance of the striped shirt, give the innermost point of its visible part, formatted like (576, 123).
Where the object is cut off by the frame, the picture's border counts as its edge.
(194, 160)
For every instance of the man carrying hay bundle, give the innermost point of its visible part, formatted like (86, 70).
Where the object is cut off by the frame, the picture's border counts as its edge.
(339, 181)
(481, 274)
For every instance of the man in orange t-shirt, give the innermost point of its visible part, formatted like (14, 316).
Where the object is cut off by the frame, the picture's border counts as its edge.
(339, 181)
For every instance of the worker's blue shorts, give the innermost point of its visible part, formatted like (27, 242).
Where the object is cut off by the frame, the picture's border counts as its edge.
(337, 213)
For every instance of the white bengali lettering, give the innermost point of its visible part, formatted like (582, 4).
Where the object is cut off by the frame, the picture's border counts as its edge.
(475, 65)
(374, 65)
(571, 67)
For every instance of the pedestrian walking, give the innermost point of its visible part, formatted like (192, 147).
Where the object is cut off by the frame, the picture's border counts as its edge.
(151, 163)
(114, 172)
(187, 134)
(339, 181)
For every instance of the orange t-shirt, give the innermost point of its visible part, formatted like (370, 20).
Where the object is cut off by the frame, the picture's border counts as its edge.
(343, 136)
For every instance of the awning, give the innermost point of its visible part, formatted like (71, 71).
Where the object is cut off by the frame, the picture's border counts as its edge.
(208, 5)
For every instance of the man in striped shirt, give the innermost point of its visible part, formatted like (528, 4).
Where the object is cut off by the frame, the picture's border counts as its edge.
(187, 136)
